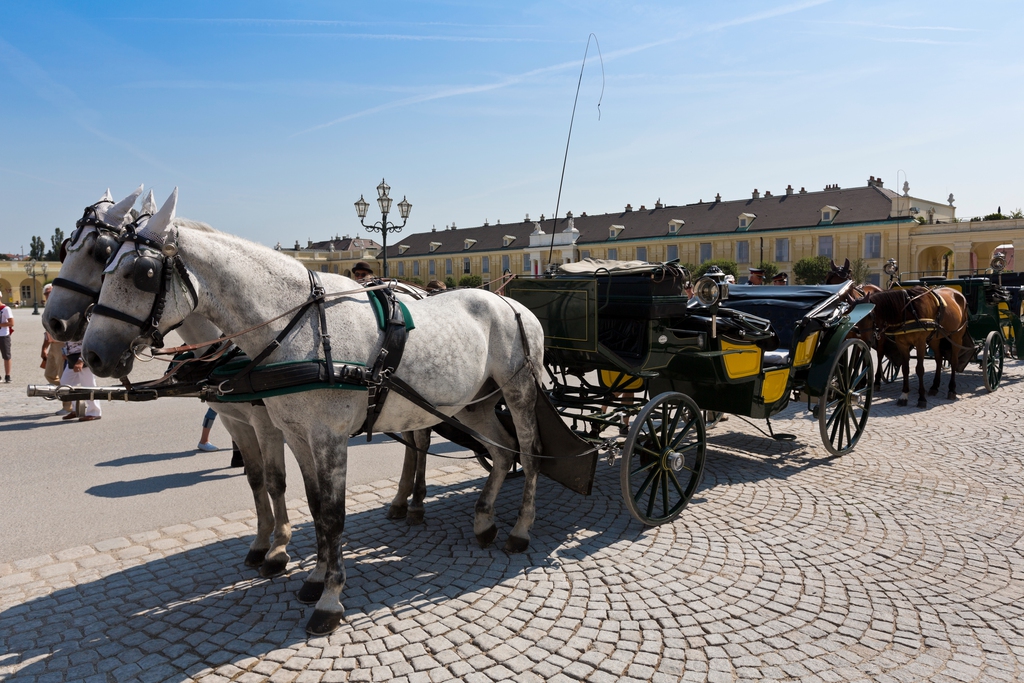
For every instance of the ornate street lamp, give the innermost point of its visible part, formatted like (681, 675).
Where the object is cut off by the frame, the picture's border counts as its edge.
(383, 226)
(30, 270)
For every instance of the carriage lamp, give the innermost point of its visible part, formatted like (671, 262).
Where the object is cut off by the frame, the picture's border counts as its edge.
(998, 262)
(382, 226)
(707, 291)
(891, 267)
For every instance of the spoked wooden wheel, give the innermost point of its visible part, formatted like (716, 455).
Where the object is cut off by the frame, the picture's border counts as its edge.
(847, 398)
(890, 370)
(992, 360)
(663, 458)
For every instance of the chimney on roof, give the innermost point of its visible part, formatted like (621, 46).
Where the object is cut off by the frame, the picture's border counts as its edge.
(879, 181)
(542, 216)
(629, 207)
(527, 219)
(583, 215)
(486, 223)
(568, 214)
(433, 228)
(767, 194)
(453, 225)
(803, 190)
(789, 189)
(874, 182)
(643, 208)
(700, 201)
(718, 197)
(309, 243)
(755, 194)
(658, 204)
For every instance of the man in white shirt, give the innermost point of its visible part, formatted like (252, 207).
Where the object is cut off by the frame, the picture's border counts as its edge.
(6, 329)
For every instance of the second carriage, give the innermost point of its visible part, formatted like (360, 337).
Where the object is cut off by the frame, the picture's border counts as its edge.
(615, 331)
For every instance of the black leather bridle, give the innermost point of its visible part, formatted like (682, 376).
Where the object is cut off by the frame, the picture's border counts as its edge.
(108, 241)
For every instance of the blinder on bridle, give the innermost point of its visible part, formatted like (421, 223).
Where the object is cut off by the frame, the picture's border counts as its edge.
(108, 237)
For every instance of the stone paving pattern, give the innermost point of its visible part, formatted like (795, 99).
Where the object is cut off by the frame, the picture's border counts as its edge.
(903, 561)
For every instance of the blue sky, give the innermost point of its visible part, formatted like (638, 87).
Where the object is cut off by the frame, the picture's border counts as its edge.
(273, 118)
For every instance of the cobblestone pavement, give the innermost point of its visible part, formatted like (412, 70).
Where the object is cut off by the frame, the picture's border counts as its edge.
(900, 562)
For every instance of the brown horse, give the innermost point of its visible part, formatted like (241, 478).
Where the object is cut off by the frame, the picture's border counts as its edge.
(879, 342)
(919, 318)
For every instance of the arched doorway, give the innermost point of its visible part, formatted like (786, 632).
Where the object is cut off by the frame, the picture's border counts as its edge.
(981, 253)
(936, 260)
(6, 291)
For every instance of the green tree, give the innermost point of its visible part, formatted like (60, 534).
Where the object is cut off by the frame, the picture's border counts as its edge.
(414, 281)
(449, 282)
(1018, 214)
(55, 242)
(471, 281)
(728, 267)
(859, 271)
(37, 249)
(812, 270)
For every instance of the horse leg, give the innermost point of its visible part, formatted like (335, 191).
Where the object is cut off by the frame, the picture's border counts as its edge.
(421, 438)
(400, 504)
(905, 368)
(933, 390)
(313, 586)
(330, 456)
(922, 402)
(244, 435)
(272, 446)
(522, 401)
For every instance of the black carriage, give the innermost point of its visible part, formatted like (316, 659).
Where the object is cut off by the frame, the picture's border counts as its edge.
(615, 332)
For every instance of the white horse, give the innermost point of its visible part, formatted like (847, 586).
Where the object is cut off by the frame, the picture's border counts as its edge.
(259, 441)
(465, 345)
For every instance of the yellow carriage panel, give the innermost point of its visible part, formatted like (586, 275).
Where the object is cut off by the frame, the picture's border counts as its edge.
(774, 386)
(742, 359)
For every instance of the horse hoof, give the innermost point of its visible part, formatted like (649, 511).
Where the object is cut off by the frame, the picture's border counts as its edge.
(397, 512)
(901, 401)
(414, 518)
(487, 537)
(255, 557)
(933, 392)
(922, 404)
(274, 566)
(323, 623)
(515, 544)
(310, 592)
(951, 396)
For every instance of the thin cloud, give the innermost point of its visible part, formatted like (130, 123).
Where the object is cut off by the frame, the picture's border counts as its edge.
(516, 79)
(311, 22)
(869, 24)
(64, 100)
(919, 41)
(406, 37)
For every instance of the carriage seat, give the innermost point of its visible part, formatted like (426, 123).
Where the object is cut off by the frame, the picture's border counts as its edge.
(785, 307)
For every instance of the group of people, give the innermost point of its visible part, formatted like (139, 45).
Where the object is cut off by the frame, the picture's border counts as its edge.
(757, 277)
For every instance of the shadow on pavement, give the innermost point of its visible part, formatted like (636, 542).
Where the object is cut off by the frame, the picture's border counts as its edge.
(142, 487)
(145, 458)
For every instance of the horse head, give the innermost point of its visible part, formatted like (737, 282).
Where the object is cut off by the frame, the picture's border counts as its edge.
(141, 298)
(837, 274)
(96, 237)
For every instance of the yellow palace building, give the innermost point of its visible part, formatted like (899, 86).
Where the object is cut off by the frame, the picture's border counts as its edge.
(871, 222)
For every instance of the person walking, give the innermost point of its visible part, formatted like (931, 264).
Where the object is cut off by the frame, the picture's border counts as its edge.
(6, 330)
(207, 447)
(77, 374)
(53, 359)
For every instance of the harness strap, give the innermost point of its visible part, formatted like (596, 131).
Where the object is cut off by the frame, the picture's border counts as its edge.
(317, 291)
(390, 355)
(75, 287)
(273, 345)
(108, 312)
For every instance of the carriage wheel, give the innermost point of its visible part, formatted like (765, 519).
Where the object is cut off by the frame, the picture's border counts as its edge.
(992, 360)
(663, 458)
(515, 470)
(890, 370)
(847, 398)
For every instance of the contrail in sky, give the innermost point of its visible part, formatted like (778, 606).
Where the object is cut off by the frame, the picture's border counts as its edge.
(455, 91)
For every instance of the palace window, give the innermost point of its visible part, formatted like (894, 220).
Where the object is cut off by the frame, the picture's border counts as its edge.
(705, 251)
(505, 266)
(401, 269)
(447, 266)
(825, 246)
(641, 253)
(584, 253)
(672, 252)
(431, 268)
(613, 254)
(465, 266)
(873, 245)
(415, 267)
(526, 263)
(782, 249)
(486, 264)
(743, 251)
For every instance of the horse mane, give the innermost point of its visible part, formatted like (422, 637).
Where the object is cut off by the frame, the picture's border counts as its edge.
(193, 225)
(891, 305)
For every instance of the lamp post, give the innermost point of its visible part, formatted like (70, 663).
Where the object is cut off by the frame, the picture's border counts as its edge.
(383, 226)
(30, 270)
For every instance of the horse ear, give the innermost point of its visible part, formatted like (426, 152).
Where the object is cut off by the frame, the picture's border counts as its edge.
(115, 214)
(149, 204)
(846, 266)
(834, 266)
(107, 197)
(161, 220)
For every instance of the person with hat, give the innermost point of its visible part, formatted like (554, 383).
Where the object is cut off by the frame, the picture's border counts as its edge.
(781, 279)
(756, 276)
(362, 270)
